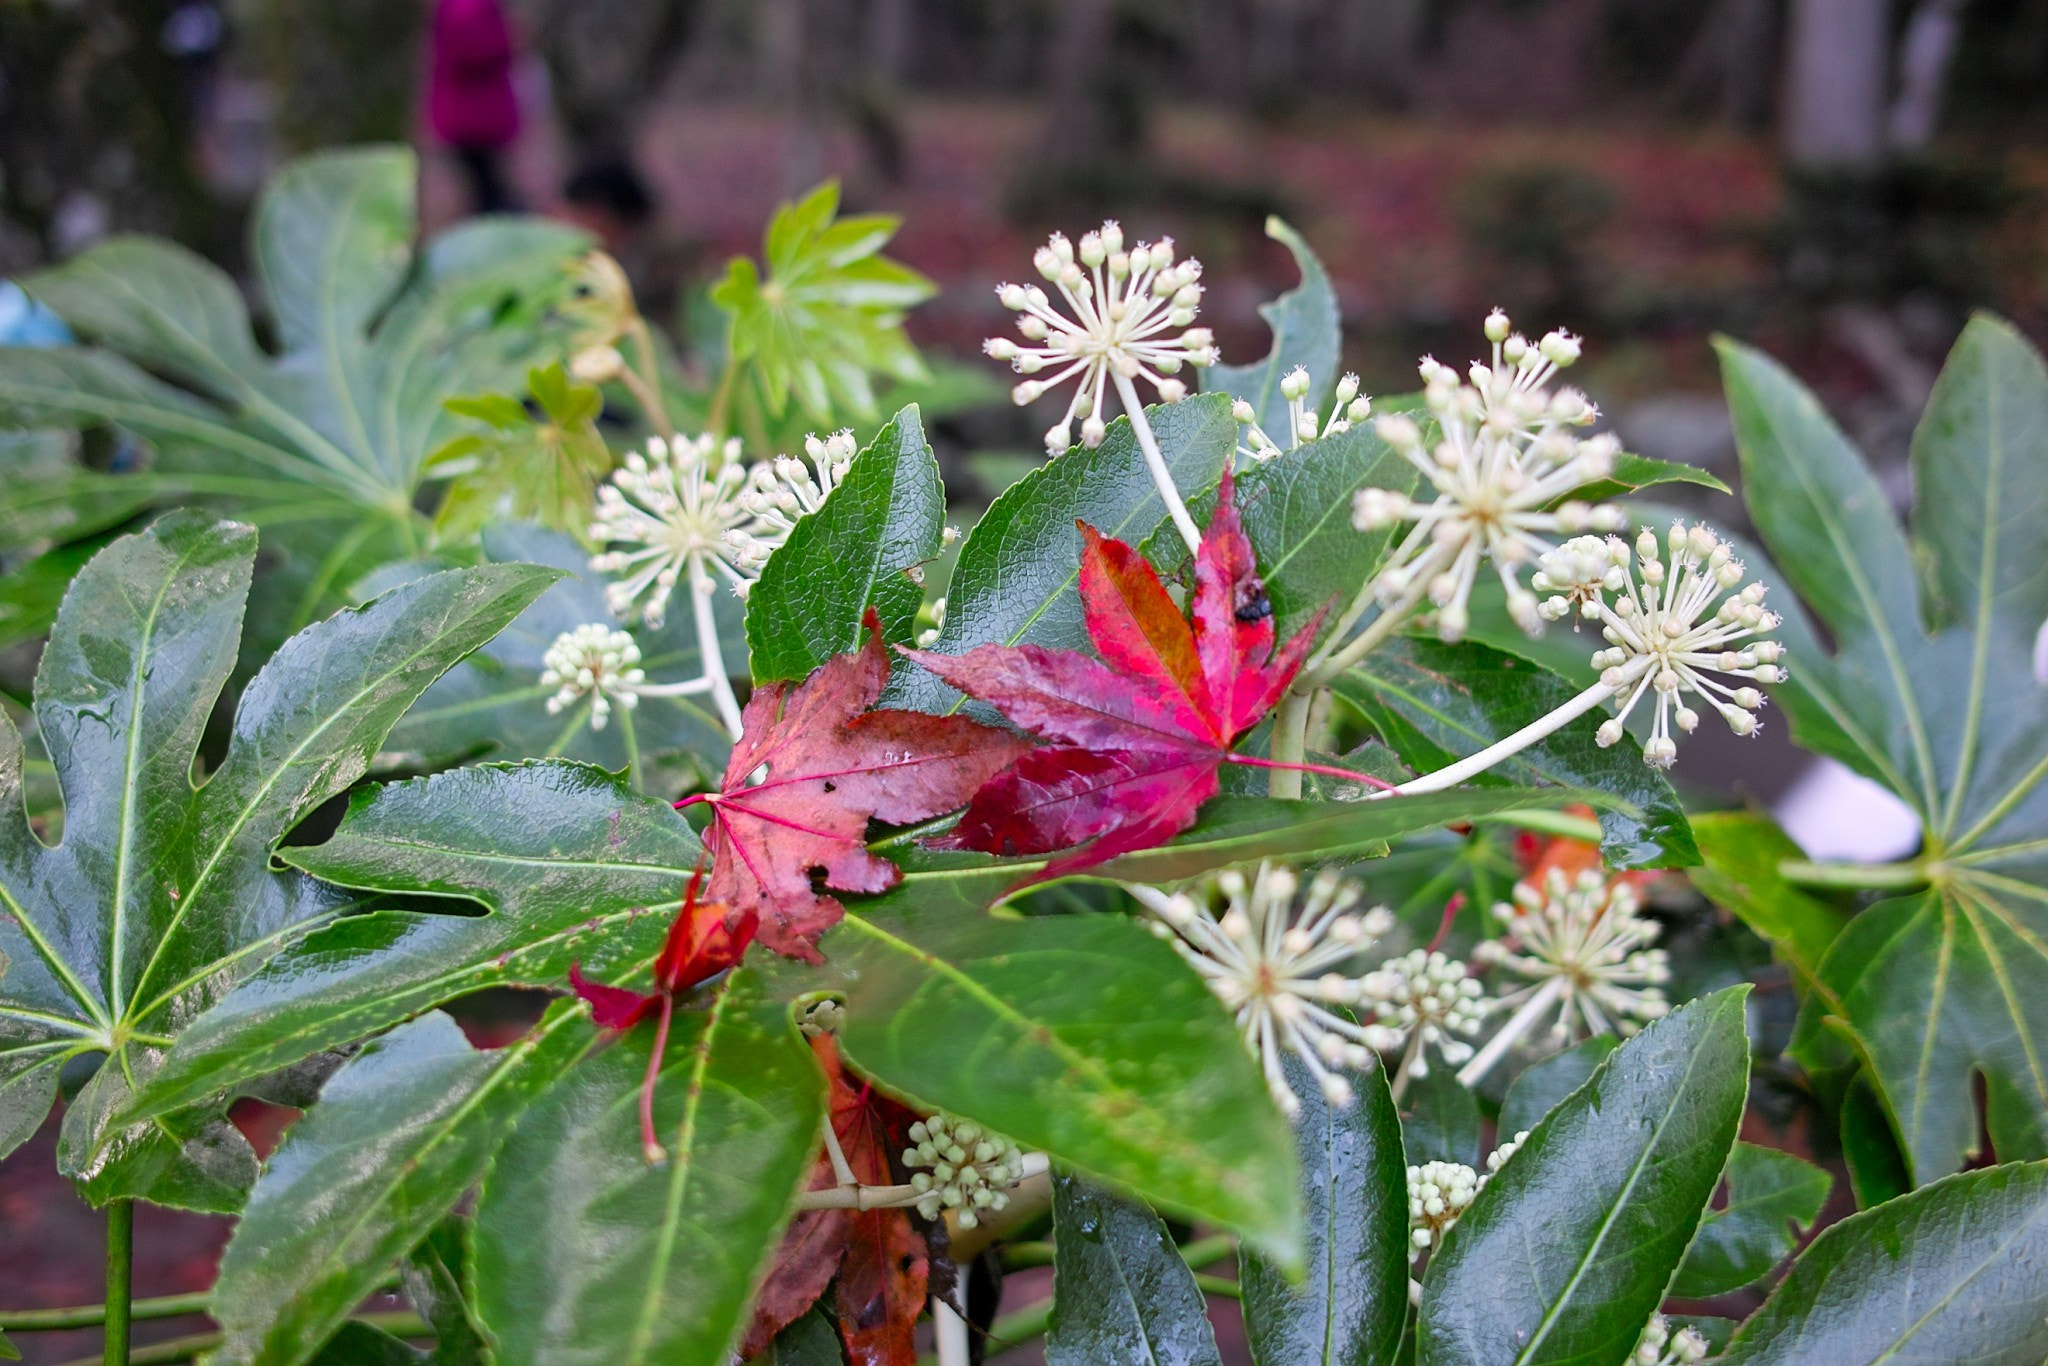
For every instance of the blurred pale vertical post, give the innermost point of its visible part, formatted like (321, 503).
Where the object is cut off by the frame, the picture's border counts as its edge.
(1835, 70)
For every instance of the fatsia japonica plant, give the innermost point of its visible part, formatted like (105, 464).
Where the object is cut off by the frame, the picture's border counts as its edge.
(1258, 851)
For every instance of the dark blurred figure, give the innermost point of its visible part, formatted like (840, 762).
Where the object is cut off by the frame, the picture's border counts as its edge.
(470, 99)
(608, 199)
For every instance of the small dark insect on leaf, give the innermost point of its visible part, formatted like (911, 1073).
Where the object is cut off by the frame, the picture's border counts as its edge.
(1256, 607)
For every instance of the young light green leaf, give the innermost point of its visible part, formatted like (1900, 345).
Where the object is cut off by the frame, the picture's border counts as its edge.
(161, 895)
(1308, 331)
(1569, 1248)
(1017, 579)
(399, 1135)
(1350, 1309)
(1772, 1198)
(1743, 852)
(1954, 1271)
(1122, 1296)
(586, 1252)
(1437, 703)
(860, 549)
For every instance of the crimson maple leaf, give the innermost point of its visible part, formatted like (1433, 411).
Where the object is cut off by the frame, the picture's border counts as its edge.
(826, 766)
(1143, 732)
(875, 1262)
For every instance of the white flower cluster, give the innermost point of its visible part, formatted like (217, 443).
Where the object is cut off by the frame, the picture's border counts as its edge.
(1276, 967)
(1131, 315)
(1585, 949)
(1665, 632)
(1439, 1192)
(1506, 453)
(597, 661)
(1349, 409)
(958, 1165)
(781, 491)
(1421, 998)
(1660, 1346)
(692, 506)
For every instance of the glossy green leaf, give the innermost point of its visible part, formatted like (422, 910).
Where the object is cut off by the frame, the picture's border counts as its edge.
(1296, 509)
(31, 595)
(160, 896)
(1877, 1169)
(812, 1340)
(1946, 982)
(1017, 579)
(1308, 330)
(1122, 1296)
(1437, 703)
(828, 316)
(433, 1276)
(493, 704)
(46, 505)
(1568, 1250)
(1542, 1086)
(1439, 1120)
(586, 1252)
(1772, 1197)
(1742, 852)
(574, 866)
(1079, 1036)
(1633, 473)
(1349, 1309)
(365, 1344)
(399, 1135)
(1955, 1271)
(881, 521)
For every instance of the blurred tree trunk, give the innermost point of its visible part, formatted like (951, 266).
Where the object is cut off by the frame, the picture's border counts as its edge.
(1835, 70)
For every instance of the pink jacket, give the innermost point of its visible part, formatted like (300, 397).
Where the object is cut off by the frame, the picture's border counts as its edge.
(470, 100)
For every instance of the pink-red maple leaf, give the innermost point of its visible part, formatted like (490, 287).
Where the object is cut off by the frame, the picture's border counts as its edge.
(826, 766)
(1141, 734)
(875, 1262)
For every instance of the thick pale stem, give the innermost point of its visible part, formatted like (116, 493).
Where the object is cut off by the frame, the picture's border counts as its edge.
(842, 1170)
(1453, 774)
(701, 589)
(1154, 461)
(949, 1334)
(1510, 1033)
(1290, 744)
(120, 1268)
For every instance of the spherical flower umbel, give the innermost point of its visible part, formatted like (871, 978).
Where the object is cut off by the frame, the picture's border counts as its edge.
(1659, 1346)
(1589, 936)
(1131, 314)
(1303, 424)
(1666, 633)
(957, 1165)
(1423, 998)
(668, 511)
(1438, 1192)
(782, 491)
(596, 661)
(1277, 967)
(1506, 453)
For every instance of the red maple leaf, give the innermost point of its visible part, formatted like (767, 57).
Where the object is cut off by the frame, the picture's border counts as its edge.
(1141, 733)
(875, 1262)
(827, 765)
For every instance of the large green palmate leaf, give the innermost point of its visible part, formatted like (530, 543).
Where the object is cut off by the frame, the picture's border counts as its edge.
(1350, 1309)
(861, 549)
(398, 1137)
(1932, 692)
(1308, 331)
(161, 894)
(493, 704)
(1437, 703)
(586, 1252)
(1017, 581)
(1122, 1296)
(1568, 1250)
(1956, 1271)
(576, 867)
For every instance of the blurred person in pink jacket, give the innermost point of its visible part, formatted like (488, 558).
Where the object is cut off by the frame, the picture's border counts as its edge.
(470, 100)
